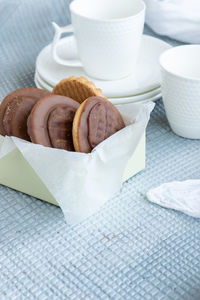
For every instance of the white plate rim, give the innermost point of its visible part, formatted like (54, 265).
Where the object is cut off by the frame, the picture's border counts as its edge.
(136, 91)
(113, 100)
(151, 92)
(152, 98)
(42, 82)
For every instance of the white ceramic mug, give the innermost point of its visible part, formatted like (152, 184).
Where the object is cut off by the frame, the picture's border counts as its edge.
(181, 89)
(108, 35)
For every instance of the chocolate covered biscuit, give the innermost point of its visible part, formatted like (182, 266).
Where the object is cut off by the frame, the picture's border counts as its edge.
(50, 122)
(15, 109)
(96, 119)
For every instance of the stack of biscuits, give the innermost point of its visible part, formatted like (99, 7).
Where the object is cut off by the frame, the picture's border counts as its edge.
(74, 117)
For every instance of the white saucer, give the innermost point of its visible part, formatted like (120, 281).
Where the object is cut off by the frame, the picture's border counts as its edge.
(142, 95)
(153, 98)
(146, 75)
(149, 96)
(43, 83)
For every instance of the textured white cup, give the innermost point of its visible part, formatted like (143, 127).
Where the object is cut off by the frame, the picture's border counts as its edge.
(108, 35)
(180, 67)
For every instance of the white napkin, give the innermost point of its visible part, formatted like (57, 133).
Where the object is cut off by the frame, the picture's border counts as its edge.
(80, 182)
(178, 19)
(183, 196)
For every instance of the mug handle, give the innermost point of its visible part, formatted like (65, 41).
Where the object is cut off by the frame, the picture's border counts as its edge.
(58, 32)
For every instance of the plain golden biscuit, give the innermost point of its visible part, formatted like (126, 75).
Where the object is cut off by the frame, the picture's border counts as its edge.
(77, 88)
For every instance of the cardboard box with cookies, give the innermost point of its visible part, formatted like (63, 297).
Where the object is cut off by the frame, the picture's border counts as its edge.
(71, 147)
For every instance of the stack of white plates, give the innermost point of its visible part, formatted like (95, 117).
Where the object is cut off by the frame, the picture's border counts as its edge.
(142, 85)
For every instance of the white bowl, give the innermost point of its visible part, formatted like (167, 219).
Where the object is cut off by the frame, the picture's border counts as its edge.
(180, 87)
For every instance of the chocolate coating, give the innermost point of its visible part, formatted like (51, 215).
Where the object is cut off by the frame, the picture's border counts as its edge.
(15, 109)
(99, 119)
(50, 122)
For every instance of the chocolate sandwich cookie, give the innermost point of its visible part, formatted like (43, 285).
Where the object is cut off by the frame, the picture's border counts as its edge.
(95, 120)
(15, 109)
(50, 122)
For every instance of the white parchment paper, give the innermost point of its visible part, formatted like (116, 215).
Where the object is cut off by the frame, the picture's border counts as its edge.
(80, 182)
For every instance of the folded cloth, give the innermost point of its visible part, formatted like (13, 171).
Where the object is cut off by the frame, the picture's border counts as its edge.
(183, 196)
(178, 19)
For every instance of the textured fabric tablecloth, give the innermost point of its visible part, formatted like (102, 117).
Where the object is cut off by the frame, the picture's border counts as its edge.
(131, 249)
